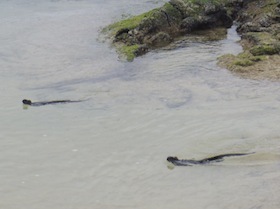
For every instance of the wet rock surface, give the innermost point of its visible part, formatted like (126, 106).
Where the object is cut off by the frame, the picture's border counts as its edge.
(258, 24)
(159, 27)
(259, 27)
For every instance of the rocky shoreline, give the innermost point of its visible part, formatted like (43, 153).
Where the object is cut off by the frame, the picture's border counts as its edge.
(258, 24)
(259, 27)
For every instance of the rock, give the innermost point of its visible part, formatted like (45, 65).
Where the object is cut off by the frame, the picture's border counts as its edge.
(159, 40)
(212, 8)
(143, 49)
(259, 27)
(265, 20)
(181, 6)
(265, 49)
(159, 27)
(249, 27)
(190, 23)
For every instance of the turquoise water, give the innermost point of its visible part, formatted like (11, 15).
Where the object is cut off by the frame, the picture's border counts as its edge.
(110, 151)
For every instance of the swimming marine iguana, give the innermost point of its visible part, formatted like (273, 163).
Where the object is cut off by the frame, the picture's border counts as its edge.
(217, 158)
(29, 102)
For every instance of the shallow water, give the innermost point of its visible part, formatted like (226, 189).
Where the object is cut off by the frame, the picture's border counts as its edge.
(110, 151)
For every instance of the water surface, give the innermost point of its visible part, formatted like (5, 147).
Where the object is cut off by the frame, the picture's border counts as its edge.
(110, 151)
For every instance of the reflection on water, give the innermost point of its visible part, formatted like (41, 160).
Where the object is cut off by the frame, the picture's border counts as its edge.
(110, 151)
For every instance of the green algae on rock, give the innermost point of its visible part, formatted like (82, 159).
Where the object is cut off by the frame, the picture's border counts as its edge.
(259, 26)
(236, 63)
(159, 27)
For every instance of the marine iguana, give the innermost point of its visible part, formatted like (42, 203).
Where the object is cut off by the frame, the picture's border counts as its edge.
(217, 158)
(29, 102)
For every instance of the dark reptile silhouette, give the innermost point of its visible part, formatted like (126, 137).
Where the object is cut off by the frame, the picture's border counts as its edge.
(217, 158)
(29, 102)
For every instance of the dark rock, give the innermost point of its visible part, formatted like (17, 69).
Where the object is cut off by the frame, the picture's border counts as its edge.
(219, 18)
(181, 6)
(211, 9)
(226, 20)
(160, 39)
(148, 25)
(159, 27)
(244, 17)
(249, 27)
(143, 49)
(191, 23)
(121, 31)
(265, 20)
